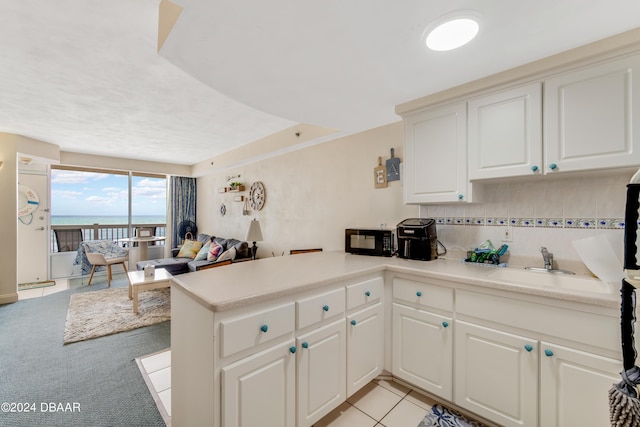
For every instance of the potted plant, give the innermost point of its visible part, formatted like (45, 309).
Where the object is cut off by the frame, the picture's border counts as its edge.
(236, 186)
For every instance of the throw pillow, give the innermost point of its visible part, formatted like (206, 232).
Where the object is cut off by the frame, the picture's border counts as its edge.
(189, 249)
(229, 254)
(203, 253)
(214, 251)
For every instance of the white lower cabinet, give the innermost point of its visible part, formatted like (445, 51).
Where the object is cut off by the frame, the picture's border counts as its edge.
(574, 386)
(422, 349)
(496, 374)
(321, 372)
(261, 389)
(365, 347)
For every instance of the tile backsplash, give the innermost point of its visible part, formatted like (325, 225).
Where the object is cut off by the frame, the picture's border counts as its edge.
(546, 212)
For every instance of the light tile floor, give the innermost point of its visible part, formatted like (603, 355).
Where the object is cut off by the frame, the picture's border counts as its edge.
(156, 371)
(381, 403)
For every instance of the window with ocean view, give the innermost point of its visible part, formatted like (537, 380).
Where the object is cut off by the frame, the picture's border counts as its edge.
(100, 202)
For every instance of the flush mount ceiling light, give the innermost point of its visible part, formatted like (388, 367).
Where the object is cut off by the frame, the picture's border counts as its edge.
(452, 33)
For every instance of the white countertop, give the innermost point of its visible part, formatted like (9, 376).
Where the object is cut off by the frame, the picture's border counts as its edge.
(240, 284)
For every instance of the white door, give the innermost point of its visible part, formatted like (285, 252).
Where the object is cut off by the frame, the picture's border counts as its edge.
(574, 387)
(496, 375)
(321, 372)
(33, 230)
(505, 133)
(260, 390)
(436, 155)
(365, 347)
(590, 115)
(423, 349)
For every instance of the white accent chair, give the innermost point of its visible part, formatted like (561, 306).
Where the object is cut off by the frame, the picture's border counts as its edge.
(107, 253)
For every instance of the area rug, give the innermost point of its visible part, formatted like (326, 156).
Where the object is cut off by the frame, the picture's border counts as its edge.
(35, 285)
(439, 416)
(109, 311)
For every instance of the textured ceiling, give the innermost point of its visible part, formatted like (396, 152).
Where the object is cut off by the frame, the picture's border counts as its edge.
(86, 74)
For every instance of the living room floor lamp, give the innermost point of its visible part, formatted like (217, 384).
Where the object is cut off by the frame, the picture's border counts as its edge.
(254, 235)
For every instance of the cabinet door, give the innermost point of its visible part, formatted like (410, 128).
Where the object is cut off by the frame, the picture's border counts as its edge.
(574, 387)
(505, 133)
(423, 349)
(496, 375)
(321, 377)
(589, 117)
(436, 155)
(365, 347)
(260, 389)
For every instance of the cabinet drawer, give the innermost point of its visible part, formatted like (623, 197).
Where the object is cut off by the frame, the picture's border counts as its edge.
(423, 294)
(588, 328)
(244, 332)
(364, 293)
(319, 307)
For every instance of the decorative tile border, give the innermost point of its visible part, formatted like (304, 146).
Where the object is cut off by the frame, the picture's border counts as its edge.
(573, 223)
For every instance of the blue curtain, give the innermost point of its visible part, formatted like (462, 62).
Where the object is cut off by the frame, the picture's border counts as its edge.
(183, 204)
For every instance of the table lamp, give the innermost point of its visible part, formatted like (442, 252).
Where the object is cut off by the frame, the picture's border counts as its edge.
(254, 235)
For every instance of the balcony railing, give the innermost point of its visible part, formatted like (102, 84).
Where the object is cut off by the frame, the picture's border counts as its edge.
(100, 232)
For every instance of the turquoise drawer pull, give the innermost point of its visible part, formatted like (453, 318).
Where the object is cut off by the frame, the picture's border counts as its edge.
(305, 345)
(353, 322)
(548, 353)
(419, 294)
(460, 197)
(325, 308)
(534, 168)
(292, 349)
(528, 347)
(368, 293)
(264, 328)
(445, 324)
(553, 166)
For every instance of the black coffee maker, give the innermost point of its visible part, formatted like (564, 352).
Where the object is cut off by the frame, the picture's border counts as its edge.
(417, 239)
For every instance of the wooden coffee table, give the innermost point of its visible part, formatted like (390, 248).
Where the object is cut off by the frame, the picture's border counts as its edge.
(139, 282)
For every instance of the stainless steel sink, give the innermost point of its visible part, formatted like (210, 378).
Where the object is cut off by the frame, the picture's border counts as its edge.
(542, 278)
(552, 271)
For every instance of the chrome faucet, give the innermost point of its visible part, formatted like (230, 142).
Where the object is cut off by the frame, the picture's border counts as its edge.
(548, 258)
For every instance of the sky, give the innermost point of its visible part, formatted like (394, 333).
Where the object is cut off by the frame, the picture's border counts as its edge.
(101, 194)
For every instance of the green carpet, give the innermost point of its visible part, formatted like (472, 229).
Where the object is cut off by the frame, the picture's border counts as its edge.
(98, 376)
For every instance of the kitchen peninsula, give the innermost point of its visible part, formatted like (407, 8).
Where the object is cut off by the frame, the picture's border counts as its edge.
(284, 340)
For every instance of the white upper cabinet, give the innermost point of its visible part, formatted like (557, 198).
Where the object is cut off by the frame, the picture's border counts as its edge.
(436, 155)
(589, 115)
(505, 133)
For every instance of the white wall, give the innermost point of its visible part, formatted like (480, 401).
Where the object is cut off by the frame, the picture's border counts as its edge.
(315, 193)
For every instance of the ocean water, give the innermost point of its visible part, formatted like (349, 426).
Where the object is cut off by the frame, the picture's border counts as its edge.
(106, 220)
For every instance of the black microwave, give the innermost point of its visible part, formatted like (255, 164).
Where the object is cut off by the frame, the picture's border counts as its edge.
(368, 241)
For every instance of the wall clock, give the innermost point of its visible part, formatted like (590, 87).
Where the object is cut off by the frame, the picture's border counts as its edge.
(257, 196)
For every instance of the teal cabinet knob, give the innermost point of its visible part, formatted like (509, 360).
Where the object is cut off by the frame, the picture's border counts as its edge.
(264, 328)
(305, 345)
(460, 197)
(292, 349)
(419, 294)
(353, 322)
(548, 353)
(445, 324)
(528, 347)
(325, 308)
(553, 166)
(368, 293)
(534, 168)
